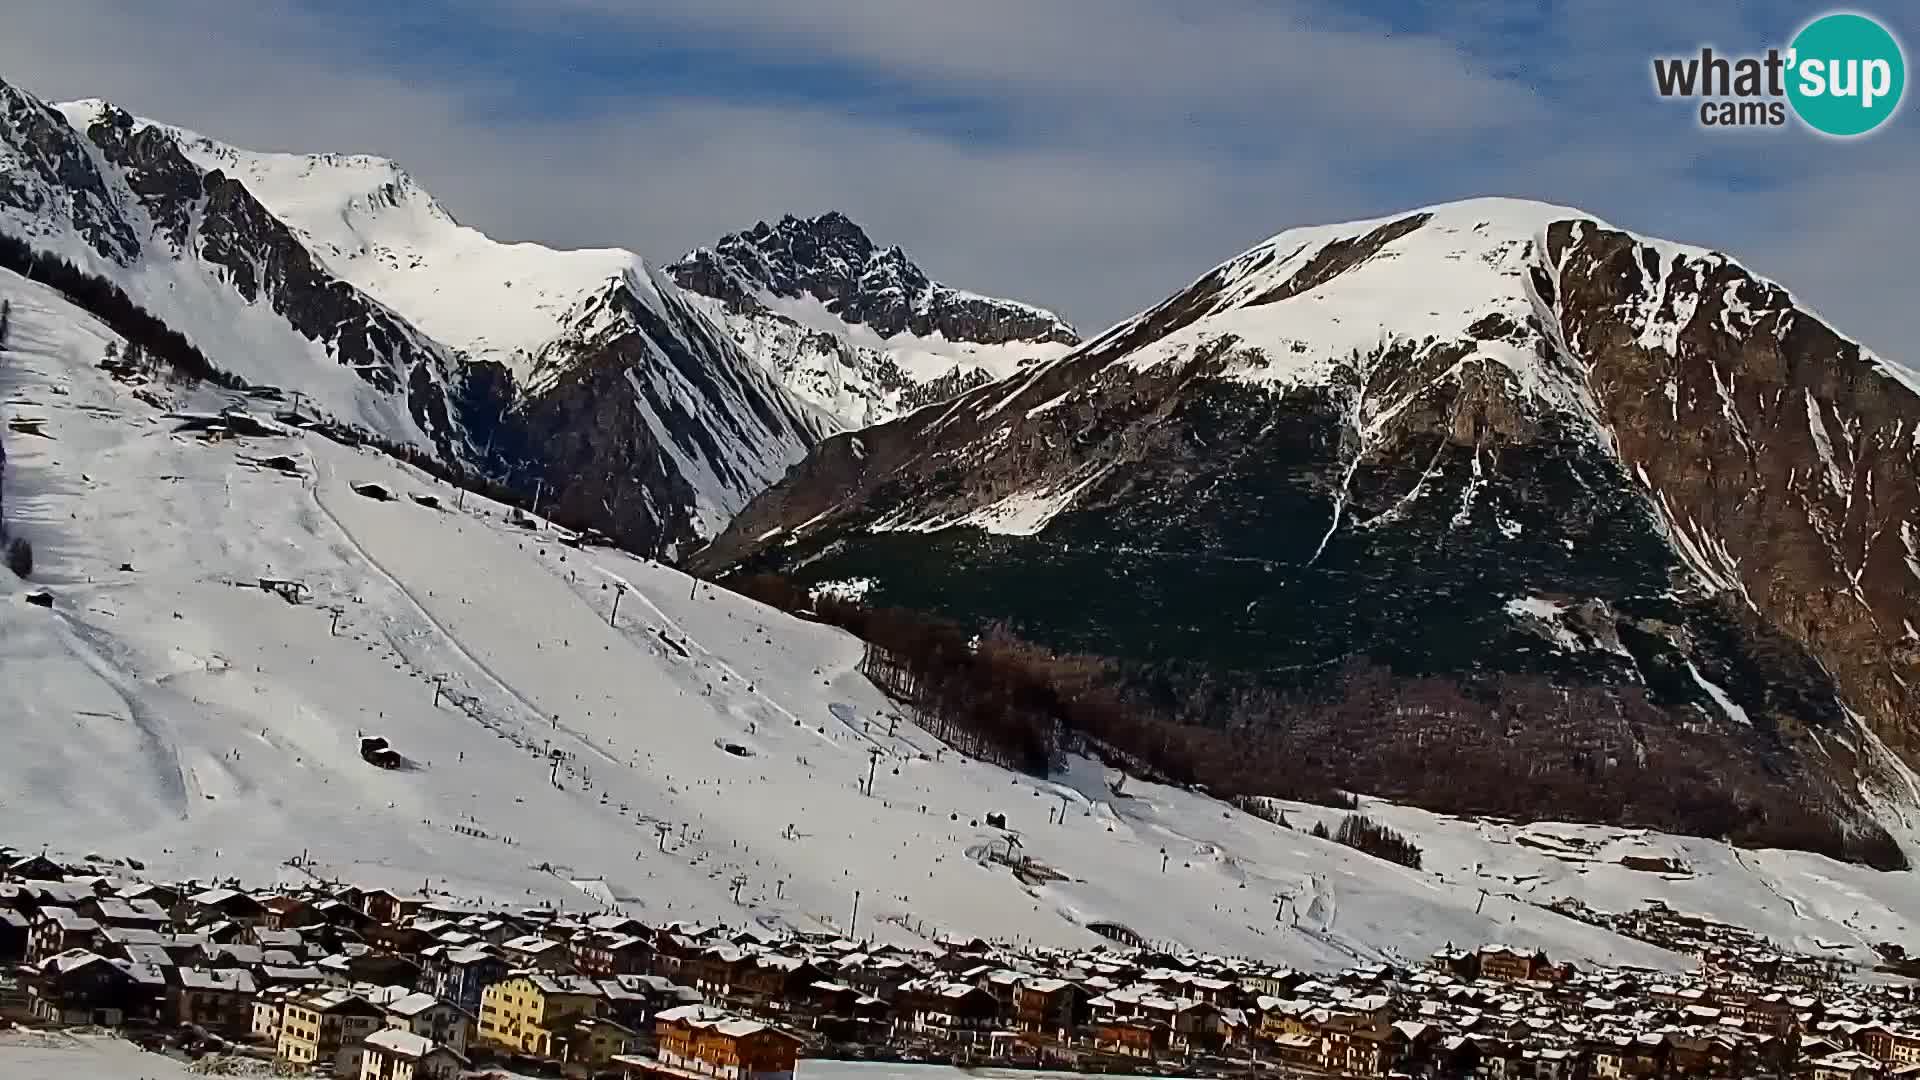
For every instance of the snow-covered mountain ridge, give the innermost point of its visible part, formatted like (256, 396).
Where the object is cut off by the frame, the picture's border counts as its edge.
(1401, 438)
(857, 329)
(339, 278)
(374, 226)
(200, 252)
(620, 398)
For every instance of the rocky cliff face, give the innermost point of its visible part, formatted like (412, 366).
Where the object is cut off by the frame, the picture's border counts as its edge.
(53, 183)
(857, 329)
(645, 417)
(832, 260)
(1488, 437)
(1786, 462)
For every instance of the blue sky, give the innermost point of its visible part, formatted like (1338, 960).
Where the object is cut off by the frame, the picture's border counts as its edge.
(1090, 155)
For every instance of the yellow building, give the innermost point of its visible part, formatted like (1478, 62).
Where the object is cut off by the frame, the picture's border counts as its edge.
(326, 1029)
(524, 1012)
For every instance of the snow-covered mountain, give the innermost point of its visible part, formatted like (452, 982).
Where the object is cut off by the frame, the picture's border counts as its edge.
(583, 377)
(856, 329)
(1488, 437)
(372, 225)
(119, 200)
(167, 708)
(579, 332)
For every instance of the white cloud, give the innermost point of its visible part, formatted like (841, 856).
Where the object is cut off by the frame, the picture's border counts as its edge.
(1110, 65)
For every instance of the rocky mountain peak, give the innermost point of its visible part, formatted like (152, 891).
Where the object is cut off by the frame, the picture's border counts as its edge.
(890, 271)
(857, 329)
(831, 259)
(823, 257)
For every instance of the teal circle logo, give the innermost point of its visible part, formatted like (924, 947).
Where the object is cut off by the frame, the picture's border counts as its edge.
(1847, 74)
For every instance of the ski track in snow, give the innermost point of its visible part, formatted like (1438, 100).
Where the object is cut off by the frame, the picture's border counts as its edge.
(323, 469)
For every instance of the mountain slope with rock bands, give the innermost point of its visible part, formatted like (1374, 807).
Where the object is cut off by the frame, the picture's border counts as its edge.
(1482, 441)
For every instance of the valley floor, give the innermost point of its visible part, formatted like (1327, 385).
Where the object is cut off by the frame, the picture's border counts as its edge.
(696, 755)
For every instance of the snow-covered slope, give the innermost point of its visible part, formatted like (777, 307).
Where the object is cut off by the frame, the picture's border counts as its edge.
(856, 329)
(854, 375)
(43, 1055)
(1306, 302)
(169, 709)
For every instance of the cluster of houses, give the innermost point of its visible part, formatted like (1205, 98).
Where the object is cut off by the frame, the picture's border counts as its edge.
(1722, 947)
(336, 980)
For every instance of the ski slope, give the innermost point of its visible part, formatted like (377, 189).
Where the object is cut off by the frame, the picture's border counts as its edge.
(170, 710)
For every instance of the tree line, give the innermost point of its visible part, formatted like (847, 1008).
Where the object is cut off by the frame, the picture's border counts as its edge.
(1364, 834)
(107, 302)
(1498, 744)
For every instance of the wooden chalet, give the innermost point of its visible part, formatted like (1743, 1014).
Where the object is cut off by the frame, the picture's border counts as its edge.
(394, 1054)
(1511, 964)
(1132, 1038)
(55, 930)
(35, 868)
(608, 953)
(86, 988)
(219, 1000)
(1049, 1006)
(219, 904)
(954, 1012)
(768, 982)
(695, 1042)
(291, 913)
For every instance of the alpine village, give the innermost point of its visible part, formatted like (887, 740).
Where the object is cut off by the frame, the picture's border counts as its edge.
(333, 980)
